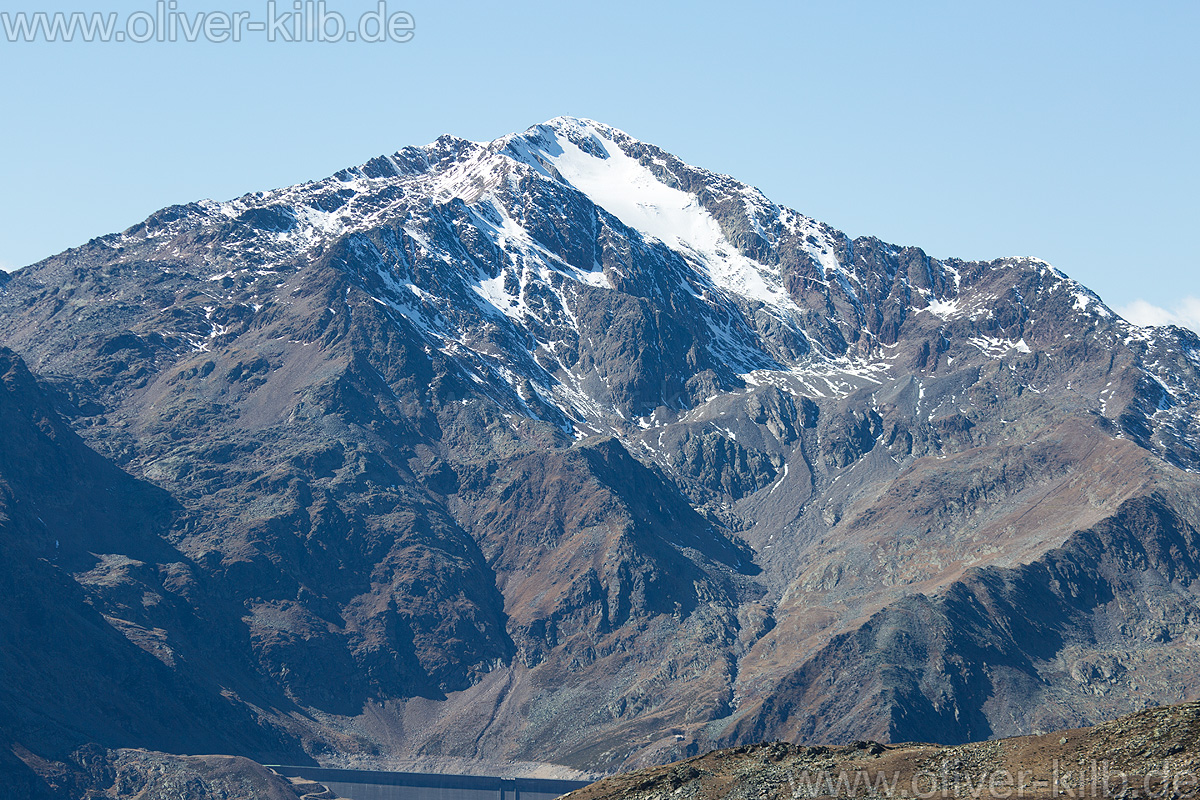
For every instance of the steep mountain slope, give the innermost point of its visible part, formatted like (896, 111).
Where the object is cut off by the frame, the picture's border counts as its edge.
(90, 589)
(556, 448)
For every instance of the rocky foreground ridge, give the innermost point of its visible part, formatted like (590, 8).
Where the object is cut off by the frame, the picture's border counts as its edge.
(557, 449)
(1154, 753)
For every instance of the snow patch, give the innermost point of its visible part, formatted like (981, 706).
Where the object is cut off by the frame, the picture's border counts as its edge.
(943, 309)
(629, 191)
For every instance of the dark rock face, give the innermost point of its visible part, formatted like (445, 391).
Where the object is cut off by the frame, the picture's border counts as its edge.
(558, 449)
(91, 588)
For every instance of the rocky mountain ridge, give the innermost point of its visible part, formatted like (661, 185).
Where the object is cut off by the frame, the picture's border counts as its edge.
(558, 449)
(1153, 753)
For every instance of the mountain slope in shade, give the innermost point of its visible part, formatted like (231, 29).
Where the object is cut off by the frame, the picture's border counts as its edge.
(556, 448)
(91, 587)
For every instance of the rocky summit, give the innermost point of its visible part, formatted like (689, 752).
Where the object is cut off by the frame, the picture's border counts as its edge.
(556, 449)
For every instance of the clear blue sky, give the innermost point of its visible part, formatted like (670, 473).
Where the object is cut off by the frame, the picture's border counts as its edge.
(1064, 130)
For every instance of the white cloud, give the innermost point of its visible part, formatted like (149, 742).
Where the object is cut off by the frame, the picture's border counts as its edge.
(1185, 313)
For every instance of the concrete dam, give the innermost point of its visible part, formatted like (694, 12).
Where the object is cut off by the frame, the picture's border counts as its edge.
(370, 785)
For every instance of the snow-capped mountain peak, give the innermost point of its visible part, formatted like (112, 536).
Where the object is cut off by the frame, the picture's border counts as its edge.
(500, 254)
(481, 426)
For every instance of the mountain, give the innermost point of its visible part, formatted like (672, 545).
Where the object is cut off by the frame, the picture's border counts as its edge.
(557, 449)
